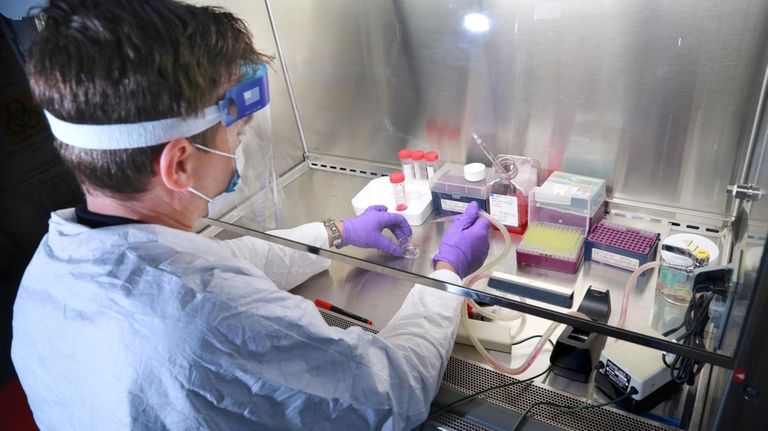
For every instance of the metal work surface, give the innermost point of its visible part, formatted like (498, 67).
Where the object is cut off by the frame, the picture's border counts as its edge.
(657, 97)
(317, 194)
(500, 409)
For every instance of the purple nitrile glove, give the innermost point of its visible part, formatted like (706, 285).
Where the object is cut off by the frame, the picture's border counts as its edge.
(365, 230)
(465, 245)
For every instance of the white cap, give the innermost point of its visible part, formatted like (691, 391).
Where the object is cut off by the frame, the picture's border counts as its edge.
(474, 172)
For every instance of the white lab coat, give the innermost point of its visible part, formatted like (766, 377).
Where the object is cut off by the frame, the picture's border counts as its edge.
(146, 327)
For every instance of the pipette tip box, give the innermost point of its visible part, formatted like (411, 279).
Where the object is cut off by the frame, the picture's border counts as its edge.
(620, 246)
(551, 246)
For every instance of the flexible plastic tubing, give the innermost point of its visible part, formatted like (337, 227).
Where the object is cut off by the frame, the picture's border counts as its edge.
(480, 274)
(485, 271)
(631, 283)
(514, 315)
(496, 364)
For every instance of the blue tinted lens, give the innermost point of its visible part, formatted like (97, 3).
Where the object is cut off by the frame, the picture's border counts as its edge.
(247, 96)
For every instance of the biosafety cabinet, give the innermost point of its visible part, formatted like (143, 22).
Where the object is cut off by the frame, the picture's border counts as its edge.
(664, 100)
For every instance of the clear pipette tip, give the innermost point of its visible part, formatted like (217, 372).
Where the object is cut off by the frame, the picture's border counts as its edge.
(487, 153)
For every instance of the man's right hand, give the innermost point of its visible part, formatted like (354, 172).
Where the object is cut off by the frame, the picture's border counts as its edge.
(465, 245)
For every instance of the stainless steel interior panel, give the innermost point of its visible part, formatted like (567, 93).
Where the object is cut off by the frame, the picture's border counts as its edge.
(655, 96)
(288, 150)
(318, 194)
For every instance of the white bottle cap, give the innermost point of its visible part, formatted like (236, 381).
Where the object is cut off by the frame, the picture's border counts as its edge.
(474, 172)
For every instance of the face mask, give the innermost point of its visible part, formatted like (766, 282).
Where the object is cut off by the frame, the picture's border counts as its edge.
(237, 157)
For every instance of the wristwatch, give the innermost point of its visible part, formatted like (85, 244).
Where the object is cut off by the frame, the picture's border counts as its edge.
(330, 224)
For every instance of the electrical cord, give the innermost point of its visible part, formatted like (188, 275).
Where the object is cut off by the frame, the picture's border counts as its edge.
(531, 338)
(477, 394)
(682, 369)
(567, 409)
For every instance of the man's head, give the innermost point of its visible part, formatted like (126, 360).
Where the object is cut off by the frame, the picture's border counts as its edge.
(129, 61)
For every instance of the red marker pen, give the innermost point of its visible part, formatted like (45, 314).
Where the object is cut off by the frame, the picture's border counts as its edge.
(328, 306)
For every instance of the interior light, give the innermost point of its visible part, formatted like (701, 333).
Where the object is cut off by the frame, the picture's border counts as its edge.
(476, 22)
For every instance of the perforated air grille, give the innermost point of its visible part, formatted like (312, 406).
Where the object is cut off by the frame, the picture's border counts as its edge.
(468, 377)
(458, 423)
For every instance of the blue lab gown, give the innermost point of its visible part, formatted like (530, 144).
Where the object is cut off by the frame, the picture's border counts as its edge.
(142, 326)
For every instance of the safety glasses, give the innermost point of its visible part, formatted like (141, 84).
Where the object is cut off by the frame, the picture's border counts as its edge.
(249, 95)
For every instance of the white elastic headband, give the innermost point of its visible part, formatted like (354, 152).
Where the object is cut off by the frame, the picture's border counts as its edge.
(131, 135)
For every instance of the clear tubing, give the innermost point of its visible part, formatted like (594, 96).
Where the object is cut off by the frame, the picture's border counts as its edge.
(520, 327)
(496, 364)
(483, 273)
(487, 153)
(492, 263)
(631, 283)
(493, 316)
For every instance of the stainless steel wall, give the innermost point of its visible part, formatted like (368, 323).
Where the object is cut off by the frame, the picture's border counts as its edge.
(656, 96)
(287, 150)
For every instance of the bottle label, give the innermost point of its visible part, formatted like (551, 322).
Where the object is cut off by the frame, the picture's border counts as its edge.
(455, 206)
(504, 209)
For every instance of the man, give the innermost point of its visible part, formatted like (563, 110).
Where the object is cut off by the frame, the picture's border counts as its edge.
(125, 319)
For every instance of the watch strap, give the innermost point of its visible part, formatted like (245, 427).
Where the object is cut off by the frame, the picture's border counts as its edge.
(330, 224)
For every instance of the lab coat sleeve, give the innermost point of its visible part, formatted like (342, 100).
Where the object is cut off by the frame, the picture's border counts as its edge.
(286, 267)
(313, 375)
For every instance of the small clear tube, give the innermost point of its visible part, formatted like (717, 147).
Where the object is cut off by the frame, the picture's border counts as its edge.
(398, 189)
(406, 163)
(410, 250)
(419, 166)
(431, 158)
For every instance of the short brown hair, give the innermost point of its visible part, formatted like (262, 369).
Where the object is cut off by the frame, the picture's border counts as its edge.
(126, 61)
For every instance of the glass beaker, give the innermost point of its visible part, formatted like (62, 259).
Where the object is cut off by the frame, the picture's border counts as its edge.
(675, 281)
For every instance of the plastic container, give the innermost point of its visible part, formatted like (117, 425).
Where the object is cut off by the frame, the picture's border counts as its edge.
(508, 191)
(378, 191)
(568, 199)
(451, 192)
(620, 246)
(431, 158)
(675, 281)
(559, 216)
(419, 166)
(406, 163)
(397, 179)
(551, 246)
